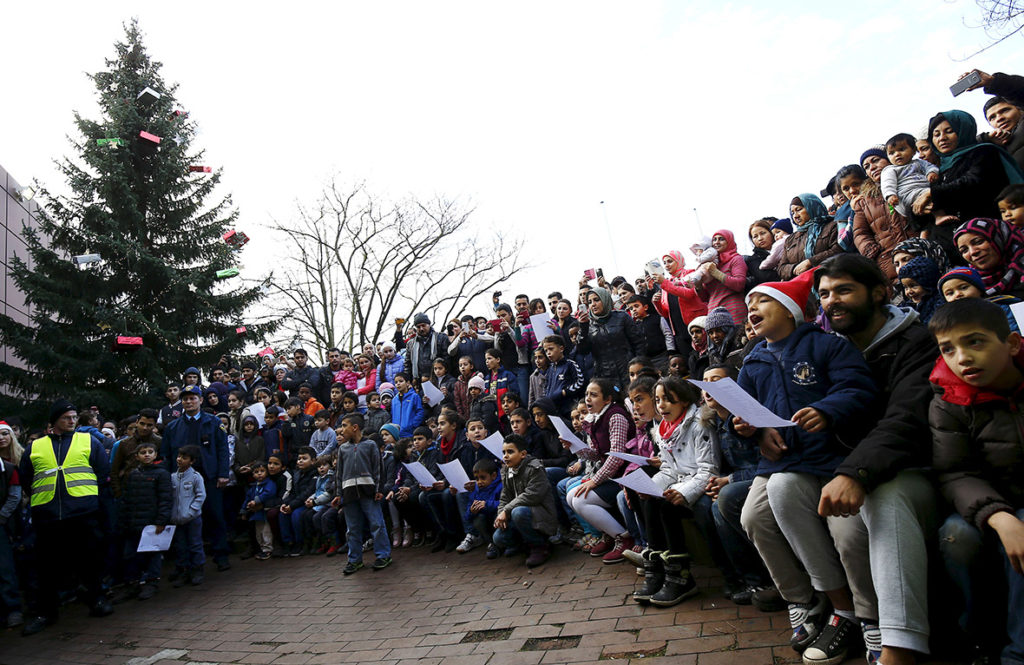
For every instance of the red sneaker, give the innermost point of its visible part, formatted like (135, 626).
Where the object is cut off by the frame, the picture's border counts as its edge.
(615, 555)
(332, 550)
(603, 547)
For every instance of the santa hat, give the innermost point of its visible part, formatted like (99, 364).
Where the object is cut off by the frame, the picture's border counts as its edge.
(792, 295)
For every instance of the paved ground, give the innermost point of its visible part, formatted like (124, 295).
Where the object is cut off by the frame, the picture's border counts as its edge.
(426, 609)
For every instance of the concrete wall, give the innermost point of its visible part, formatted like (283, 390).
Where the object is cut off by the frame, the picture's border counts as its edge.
(14, 215)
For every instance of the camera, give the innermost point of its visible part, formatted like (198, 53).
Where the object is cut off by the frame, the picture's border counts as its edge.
(496, 295)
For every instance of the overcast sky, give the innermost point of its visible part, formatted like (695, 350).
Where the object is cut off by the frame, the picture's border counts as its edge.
(533, 112)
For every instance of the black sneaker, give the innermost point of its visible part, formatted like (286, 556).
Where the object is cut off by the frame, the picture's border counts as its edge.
(147, 591)
(381, 563)
(806, 620)
(744, 597)
(439, 544)
(263, 556)
(833, 642)
(352, 567)
(768, 599)
(295, 550)
(493, 552)
(35, 625)
(195, 578)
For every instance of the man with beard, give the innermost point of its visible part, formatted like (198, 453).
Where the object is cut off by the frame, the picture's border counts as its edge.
(327, 372)
(424, 348)
(301, 373)
(881, 478)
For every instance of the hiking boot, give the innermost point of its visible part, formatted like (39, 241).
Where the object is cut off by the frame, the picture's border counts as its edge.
(493, 552)
(468, 543)
(351, 567)
(538, 555)
(654, 576)
(768, 599)
(147, 590)
(806, 620)
(381, 563)
(600, 549)
(181, 580)
(833, 642)
(679, 584)
(195, 578)
(615, 554)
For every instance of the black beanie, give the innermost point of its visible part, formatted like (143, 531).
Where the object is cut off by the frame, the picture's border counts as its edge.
(59, 408)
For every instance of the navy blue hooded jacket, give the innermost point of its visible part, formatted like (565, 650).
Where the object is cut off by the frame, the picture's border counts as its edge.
(815, 369)
(209, 436)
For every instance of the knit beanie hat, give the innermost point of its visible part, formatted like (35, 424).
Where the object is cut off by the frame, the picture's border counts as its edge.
(391, 429)
(698, 322)
(476, 382)
(922, 270)
(783, 224)
(386, 389)
(59, 408)
(719, 317)
(387, 345)
(966, 274)
(877, 151)
(792, 295)
(420, 318)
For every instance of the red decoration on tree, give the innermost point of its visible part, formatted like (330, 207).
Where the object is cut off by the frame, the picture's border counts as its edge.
(123, 343)
(200, 169)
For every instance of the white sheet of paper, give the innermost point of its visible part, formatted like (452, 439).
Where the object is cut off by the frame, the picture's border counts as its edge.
(420, 473)
(540, 326)
(431, 392)
(455, 475)
(564, 432)
(151, 541)
(741, 404)
(635, 459)
(640, 482)
(1017, 309)
(493, 445)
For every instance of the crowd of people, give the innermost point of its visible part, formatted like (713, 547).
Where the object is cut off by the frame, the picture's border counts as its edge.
(865, 324)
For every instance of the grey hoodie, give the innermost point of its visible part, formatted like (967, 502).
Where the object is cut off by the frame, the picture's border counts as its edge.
(189, 494)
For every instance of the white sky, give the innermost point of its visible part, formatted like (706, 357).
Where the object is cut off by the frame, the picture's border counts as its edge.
(534, 112)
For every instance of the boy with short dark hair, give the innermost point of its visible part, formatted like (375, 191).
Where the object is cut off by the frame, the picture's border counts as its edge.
(260, 492)
(483, 504)
(189, 492)
(526, 510)
(303, 487)
(173, 408)
(323, 440)
(358, 477)
(298, 429)
(978, 453)
(146, 500)
(564, 381)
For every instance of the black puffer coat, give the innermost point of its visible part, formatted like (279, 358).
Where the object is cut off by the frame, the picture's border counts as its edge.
(146, 498)
(613, 343)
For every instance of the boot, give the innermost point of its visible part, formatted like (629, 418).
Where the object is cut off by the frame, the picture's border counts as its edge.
(679, 584)
(396, 537)
(654, 576)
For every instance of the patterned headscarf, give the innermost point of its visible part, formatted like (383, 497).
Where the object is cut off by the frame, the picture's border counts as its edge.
(1008, 241)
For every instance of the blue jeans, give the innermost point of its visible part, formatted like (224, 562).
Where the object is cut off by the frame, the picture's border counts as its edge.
(522, 373)
(188, 544)
(520, 530)
(10, 593)
(741, 552)
(358, 514)
(555, 475)
(969, 558)
(629, 517)
(462, 501)
(291, 527)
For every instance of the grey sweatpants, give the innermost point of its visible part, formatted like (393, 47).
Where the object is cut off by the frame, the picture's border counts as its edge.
(900, 516)
(781, 518)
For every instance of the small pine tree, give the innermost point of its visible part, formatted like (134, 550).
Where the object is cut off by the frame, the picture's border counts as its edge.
(161, 243)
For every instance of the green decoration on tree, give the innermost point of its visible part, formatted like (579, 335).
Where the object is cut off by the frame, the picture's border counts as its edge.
(160, 235)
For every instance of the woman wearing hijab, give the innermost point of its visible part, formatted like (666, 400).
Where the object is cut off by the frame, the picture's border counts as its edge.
(971, 174)
(724, 284)
(610, 336)
(996, 250)
(813, 240)
(678, 302)
(913, 247)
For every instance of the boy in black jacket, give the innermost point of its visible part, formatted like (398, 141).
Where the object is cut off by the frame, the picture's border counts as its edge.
(299, 427)
(146, 499)
(303, 486)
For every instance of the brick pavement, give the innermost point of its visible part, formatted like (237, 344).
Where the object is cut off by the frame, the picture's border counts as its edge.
(426, 609)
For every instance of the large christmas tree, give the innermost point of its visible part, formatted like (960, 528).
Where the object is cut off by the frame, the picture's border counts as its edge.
(139, 198)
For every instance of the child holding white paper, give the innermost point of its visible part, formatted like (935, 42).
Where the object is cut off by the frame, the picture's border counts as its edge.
(443, 504)
(686, 460)
(826, 388)
(146, 499)
(403, 493)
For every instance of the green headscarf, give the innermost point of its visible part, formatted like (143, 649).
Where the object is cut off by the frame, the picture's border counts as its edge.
(818, 214)
(966, 129)
(606, 300)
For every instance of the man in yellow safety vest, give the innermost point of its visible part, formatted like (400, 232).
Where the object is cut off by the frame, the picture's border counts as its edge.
(62, 473)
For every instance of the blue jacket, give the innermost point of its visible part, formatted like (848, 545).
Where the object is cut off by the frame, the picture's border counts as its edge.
(261, 492)
(564, 377)
(490, 495)
(64, 505)
(407, 412)
(818, 370)
(740, 455)
(273, 442)
(211, 438)
(396, 365)
(506, 380)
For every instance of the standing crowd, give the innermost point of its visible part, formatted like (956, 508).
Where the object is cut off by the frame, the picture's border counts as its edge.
(865, 323)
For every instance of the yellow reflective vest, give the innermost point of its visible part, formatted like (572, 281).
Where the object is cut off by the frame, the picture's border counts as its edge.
(74, 470)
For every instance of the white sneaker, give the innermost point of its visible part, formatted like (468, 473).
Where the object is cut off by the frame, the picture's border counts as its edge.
(468, 543)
